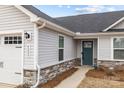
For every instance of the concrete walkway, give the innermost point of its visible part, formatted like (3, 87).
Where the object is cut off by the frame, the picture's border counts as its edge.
(74, 80)
(3, 85)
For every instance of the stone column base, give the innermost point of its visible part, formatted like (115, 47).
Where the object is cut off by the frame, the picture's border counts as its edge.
(30, 77)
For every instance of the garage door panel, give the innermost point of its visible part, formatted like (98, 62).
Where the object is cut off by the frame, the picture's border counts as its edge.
(9, 77)
(11, 57)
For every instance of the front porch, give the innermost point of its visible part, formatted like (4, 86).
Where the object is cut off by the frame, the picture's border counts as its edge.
(106, 48)
(87, 51)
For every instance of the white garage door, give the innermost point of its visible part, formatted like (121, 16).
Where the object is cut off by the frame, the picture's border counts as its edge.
(11, 59)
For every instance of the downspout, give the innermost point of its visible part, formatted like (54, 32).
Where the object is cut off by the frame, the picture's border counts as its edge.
(37, 65)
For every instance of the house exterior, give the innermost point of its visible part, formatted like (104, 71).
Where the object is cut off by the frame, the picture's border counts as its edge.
(34, 47)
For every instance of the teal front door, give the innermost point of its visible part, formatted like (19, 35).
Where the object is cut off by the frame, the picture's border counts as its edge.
(87, 52)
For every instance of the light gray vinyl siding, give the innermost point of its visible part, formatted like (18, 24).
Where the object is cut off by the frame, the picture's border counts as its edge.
(95, 47)
(70, 48)
(105, 47)
(104, 52)
(79, 49)
(13, 19)
(48, 48)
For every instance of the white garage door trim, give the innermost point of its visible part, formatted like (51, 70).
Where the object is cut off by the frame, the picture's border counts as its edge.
(12, 32)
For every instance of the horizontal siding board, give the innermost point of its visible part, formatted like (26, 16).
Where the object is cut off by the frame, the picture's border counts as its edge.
(48, 48)
(104, 47)
(12, 19)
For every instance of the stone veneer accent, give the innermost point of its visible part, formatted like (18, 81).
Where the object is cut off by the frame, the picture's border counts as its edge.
(109, 62)
(49, 73)
(30, 77)
(78, 61)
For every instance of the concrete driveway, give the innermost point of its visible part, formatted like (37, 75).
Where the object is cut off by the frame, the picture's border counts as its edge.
(3, 85)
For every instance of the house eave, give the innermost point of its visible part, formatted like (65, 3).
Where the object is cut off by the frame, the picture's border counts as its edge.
(54, 26)
(96, 35)
(114, 24)
(38, 20)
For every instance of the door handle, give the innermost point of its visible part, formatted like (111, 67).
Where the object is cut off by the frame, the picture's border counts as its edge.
(82, 53)
(18, 73)
(18, 47)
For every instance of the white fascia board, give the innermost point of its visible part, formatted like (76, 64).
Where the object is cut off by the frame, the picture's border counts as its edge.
(27, 12)
(55, 26)
(120, 20)
(85, 37)
(35, 19)
(60, 29)
(95, 35)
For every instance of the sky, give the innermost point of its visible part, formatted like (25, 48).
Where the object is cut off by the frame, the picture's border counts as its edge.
(68, 10)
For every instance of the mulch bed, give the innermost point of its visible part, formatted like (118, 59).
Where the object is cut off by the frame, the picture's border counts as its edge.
(55, 81)
(98, 73)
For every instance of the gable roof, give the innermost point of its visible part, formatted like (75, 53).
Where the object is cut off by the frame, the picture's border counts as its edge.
(91, 23)
(39, 13)
(42, 15)
(85, 23)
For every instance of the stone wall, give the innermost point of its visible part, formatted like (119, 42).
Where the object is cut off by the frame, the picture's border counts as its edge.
(111, 67)
(50, 72)
(109, 62)
(78, 62)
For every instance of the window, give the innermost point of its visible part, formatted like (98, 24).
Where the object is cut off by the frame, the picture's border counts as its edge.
(61, 48)
(12, 40)
(118, 45)
(87, 45)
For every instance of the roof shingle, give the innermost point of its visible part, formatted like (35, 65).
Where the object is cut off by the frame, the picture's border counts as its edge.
(85, 23)
(90, 23)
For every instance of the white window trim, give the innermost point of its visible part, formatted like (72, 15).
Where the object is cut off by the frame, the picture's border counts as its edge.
(61, 48)
(112, 48)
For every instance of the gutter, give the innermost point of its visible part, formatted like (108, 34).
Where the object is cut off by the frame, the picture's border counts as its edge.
(100, 33)
(95, 35)
(60, 28)
(53, 26)
(38, 77)
(37, 65)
